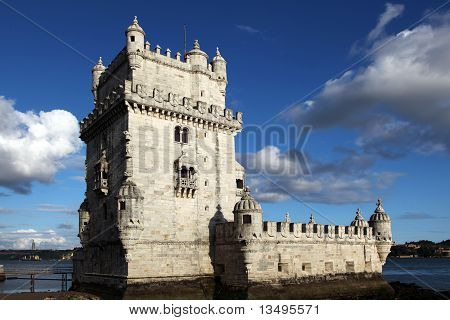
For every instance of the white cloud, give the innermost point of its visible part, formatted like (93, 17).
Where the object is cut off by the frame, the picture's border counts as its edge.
(397, 104)
(346, 180)
(391, 12)
(25, 231)
(34, 146)
(22, 239)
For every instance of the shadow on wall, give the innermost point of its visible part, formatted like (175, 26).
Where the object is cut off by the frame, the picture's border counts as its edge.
(218, 218)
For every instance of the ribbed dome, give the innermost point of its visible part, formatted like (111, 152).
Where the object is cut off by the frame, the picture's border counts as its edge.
(218, 56)
(129, 190)
(247, 203)
(379, 213)
(197, 51)
(135, 26)
(359, 220)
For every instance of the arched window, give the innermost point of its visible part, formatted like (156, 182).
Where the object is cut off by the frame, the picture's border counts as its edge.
(177, 134)
(191, 172)
(185, 135)
(184, 172)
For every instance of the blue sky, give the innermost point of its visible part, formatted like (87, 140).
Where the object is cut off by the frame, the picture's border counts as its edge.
(378, 130)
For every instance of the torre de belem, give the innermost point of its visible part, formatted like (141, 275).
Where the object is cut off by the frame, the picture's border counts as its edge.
(165, 198)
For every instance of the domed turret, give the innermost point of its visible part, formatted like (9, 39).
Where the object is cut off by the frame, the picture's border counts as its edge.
(248, 217)
(97, 71)
(130, 200)
(84, 217)
(381, 224)
(135, 37)
(359, 220)
(197, 57)
(219, 66)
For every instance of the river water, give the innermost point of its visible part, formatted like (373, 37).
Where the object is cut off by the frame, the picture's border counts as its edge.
(47, 282)
(427, 273)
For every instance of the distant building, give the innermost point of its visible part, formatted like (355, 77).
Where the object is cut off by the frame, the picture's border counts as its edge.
(165, 197)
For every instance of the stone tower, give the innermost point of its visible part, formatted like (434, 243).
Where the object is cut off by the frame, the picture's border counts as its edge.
(160, 165)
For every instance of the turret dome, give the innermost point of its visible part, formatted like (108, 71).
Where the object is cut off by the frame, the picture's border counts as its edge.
(218, 56)
(359, 220)
(247, 203)
(99, 66)
(129, 190)
(379, 213)
(196, 50)
(135, 26)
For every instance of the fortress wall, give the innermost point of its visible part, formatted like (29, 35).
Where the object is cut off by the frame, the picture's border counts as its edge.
(275, 261)
(295, 251)
(154, 260)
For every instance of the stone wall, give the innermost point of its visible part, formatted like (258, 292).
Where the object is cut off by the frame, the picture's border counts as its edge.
(301, 250)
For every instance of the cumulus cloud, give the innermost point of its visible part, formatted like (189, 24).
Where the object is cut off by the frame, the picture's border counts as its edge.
(276, 176)
(22, 239)
(399, 102)
(33, 147)
(391, 12)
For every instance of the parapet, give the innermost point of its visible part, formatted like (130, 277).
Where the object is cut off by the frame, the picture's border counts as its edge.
(287, 231)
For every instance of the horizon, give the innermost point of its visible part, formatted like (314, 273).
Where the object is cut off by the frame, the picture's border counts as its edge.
(360, 78)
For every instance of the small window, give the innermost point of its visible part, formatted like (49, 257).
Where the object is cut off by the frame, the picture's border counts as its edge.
(202, 93)
(122, 205)
(239, 183)
(350, 266)
(306, 267)
(132, 38)
(246, 218)
(177, 134)
(206, 208)
(206, 134)
(185, 135)
(85, 223)
(206, 183)
(205, 159)
(184, 172)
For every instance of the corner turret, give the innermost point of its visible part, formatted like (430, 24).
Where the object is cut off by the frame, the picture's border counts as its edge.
(84, 217)
(248, 217)
(219, 66)
(197, 57)
(381, 224)
(97, 71)
(135, 37)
